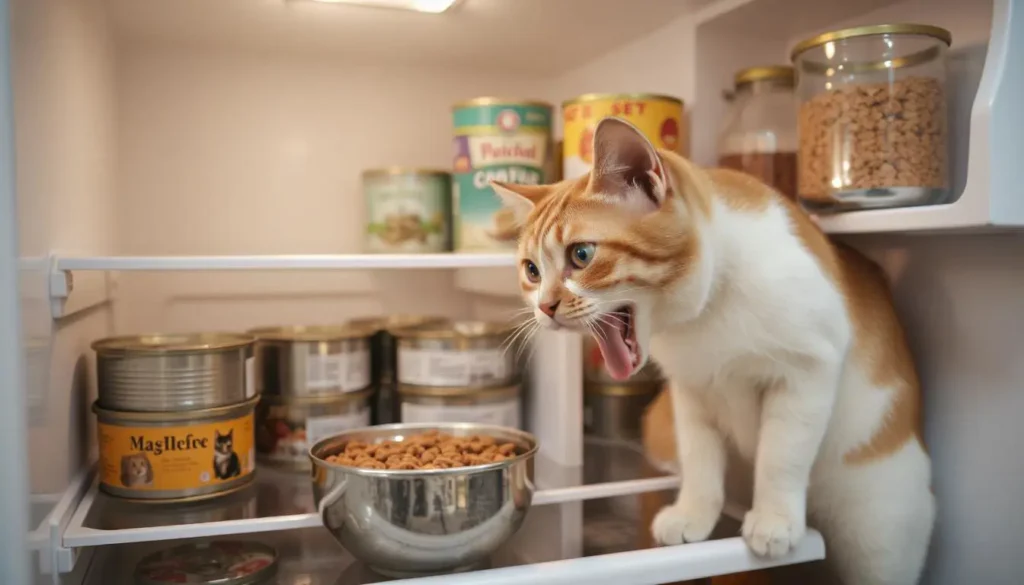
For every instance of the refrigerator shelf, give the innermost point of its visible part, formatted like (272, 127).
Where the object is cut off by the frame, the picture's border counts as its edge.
(284, 262)
(592, 543)
(279, 500)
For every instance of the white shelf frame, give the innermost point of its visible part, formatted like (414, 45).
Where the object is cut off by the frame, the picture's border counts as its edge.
(77, 535)
(284, 262)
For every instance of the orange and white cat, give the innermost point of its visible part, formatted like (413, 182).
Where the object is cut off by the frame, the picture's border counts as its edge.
(776, 342)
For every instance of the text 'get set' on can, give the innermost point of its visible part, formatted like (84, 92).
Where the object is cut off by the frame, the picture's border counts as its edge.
(408, 210)
(658, 117)
(175, 415)
(496, 139)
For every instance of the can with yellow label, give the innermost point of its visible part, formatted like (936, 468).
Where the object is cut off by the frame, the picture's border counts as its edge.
(176, 456)
(659, 117)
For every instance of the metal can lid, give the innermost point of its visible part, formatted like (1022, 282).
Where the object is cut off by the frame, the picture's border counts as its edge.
(218, 562)
(171, 343)
(498, 101)
(503, 391)
(405, 171)
(399, 321)
(593, 97)
(310, 333)
(455, 330)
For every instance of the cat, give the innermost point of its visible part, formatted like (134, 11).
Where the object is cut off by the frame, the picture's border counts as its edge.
(225, 460)
(136, 470)
(776, 342)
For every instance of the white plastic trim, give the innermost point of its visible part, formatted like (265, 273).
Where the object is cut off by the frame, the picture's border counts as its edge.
(284, 262)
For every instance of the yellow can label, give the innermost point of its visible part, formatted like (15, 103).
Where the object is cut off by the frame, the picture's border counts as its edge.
(158, 458)
(660, 120)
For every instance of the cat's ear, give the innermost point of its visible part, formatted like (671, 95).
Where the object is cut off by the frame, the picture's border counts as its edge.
(216, 434)
(520, 199)
(627, 166)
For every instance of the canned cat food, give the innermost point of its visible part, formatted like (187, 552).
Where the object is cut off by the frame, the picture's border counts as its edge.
(615, 411)
(384, 359)
(408, 210)
(172, 372)
(287, 427)
(659, 117)
(500, 405)
(311, 360)
(467, 353)
(495, 140)
(176, 456)
(220, 562)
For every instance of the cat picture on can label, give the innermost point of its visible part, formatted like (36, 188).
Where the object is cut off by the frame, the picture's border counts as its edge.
(225, 460)
(136, 470)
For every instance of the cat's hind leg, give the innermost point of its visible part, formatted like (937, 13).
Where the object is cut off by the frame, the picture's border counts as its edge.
(877, 518)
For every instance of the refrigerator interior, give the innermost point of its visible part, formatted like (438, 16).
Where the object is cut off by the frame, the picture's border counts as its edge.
(239, 128)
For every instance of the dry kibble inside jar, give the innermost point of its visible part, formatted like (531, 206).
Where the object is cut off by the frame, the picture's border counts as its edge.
(872, 118)
(430, 450)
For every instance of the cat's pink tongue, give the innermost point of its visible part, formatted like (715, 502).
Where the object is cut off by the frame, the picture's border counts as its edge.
(610, 338)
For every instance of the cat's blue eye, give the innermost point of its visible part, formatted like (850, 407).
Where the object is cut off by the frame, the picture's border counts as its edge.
(581, 254)
(531, 270)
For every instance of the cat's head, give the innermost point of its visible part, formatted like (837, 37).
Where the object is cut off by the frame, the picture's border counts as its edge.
(136, 465)
(223, 443)
(616, 252)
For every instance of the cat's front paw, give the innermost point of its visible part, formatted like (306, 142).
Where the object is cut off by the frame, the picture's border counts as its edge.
(771, 532)
(683, 522)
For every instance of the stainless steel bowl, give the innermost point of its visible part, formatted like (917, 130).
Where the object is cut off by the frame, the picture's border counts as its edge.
(413, 523)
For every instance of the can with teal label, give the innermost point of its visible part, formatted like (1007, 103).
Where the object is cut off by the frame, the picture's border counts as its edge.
(495, 140)
(408, 210)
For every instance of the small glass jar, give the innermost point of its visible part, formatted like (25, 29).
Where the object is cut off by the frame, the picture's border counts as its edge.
(759, 135)
(872, 118)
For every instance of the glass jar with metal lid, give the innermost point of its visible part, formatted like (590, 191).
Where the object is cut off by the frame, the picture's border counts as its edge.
(872, 117)
(759, 135)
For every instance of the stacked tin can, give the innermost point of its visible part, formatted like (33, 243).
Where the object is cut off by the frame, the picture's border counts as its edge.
(614, 409)
(175, 415)
(458, 372)
(313, 382)
(384, 359)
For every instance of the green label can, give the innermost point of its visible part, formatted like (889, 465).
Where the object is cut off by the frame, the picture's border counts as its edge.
(407, 210)
(495, 140)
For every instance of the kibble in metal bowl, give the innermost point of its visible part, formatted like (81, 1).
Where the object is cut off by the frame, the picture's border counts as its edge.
(402, 520)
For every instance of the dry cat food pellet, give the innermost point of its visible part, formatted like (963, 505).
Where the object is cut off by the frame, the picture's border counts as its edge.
(430, 450)
(873, 136)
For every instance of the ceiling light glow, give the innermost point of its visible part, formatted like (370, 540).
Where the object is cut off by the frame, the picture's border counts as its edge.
(429, 6)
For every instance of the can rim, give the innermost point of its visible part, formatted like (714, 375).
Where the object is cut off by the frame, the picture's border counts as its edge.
(251, 578)
(406, 171)
(454, 330)
(515, 388)
(877, 29)
(397, 321)
(499, 101)
(624, 389)
(160, 343)
(323, 398)
(784, 73)
(300, 333)
(166, 416)
(477, 428)
(591, 97)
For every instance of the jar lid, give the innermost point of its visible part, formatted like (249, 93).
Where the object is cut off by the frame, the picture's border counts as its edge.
(781, 73)
(218, 562)
(877, 29)
(594, 97)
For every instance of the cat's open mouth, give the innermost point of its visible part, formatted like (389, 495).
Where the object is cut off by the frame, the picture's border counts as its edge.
(616, 336)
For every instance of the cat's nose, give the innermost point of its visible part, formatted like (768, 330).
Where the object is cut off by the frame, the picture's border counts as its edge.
(549, 308)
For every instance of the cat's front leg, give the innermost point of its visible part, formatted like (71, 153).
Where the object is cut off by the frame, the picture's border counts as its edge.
(701, 453)
(794, 416)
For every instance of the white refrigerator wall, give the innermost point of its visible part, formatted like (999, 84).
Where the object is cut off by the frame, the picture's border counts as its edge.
(65, 162)
(227, 152)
